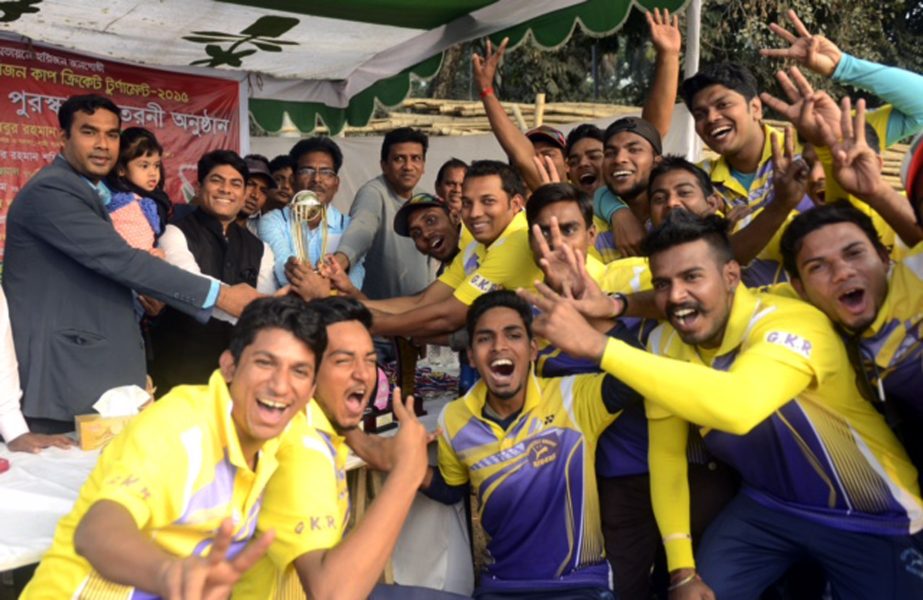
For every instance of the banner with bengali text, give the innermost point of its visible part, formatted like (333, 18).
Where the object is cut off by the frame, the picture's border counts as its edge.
(189, 114)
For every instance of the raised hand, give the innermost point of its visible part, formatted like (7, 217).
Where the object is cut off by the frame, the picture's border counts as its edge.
(855, 164)
(485, 68)
(409, 448)
(211, 578)
(558, 265)
(812, 113)
(815, 52)
(789, 173)
(665, 34)
(562, 324)
(547, 172)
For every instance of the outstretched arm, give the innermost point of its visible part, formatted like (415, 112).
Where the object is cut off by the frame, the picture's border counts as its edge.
(658, 108)
(513, 141)
(109, 539)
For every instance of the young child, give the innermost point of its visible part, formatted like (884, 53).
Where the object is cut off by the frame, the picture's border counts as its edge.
(139, 206)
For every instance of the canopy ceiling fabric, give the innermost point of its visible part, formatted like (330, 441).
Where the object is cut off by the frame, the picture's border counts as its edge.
(331, 60)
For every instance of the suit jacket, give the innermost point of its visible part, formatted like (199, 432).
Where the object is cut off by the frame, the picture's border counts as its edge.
(68, 277)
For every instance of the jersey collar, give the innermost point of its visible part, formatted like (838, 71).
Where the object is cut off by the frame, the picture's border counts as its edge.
(476, 398)
(743, 306)
(721, 170)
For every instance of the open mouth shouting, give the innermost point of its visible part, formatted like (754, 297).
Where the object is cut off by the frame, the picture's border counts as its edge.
(685, 318)
(356, 401)
(854, 300)
(272, 412)
(501, 372)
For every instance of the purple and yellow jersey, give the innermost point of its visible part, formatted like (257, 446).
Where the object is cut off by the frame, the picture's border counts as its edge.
(535, 483)
(178, 469)
(506, 264)
(891, 348)
(826, 455)
(306, 503)
(766, 268)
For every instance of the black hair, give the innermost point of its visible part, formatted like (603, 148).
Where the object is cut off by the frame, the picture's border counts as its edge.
(497, 299)
(403, 135)
(550, 193)
(280, 162)
(681, 227)
(809, 221)
(289, 313)
(510, 180)
(258, 157)
(731, 75)
(674, 162)
(87, 103)
(317, 144)
(135, 142)
(216, 158)
(337, 309)
(586, 130)
(452, 163)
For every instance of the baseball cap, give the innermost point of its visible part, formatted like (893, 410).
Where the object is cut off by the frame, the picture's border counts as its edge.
(258, 167)
(417, 202)
(911, 165)
(638, 126)
(544, 133)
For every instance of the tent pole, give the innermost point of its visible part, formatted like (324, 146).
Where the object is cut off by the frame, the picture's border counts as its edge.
(693, 39)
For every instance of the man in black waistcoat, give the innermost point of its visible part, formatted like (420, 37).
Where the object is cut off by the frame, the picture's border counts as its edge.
(207, 241)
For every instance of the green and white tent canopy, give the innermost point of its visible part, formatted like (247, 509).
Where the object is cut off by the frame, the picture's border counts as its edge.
(326, 59)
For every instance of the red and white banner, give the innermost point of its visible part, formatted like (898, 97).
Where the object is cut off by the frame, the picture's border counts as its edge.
(189, 114)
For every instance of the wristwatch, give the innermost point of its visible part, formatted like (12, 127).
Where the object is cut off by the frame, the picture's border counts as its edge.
(623, 306)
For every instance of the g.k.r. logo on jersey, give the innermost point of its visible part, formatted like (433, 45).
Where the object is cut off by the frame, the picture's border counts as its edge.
(790, 341)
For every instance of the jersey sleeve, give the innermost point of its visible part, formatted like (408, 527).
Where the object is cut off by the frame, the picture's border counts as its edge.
(589, 406)
(150, 490)
(670, 488)
(454, 275)
(506, 266)
(454, 472)
(301, 501)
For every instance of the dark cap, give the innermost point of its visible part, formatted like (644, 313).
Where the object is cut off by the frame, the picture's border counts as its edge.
(544, 133)
(638, 126)
(259, 168)
(417, 202)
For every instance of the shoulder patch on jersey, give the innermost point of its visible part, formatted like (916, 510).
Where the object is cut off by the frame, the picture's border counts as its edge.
(484, 284)
(790, 341)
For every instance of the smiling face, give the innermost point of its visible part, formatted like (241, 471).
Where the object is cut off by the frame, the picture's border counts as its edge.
(726, 121)
(627, 162)
(434, 232)
(573, 227)
(502, 353)
(695, 291)
(91, 146)
(678, 188)
(486, 207)
(450, 188)
(143, 171)
(585, 164)
(404, 166)
(221, 193)
(843, 274)
(315, 173)
(817, 179)
(545, 149)
(347, 374)
(270, 383)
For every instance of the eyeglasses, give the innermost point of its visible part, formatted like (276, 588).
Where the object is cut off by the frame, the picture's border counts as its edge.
(308, 172)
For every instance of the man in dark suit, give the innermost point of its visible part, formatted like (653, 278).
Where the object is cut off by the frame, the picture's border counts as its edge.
(68, 277)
